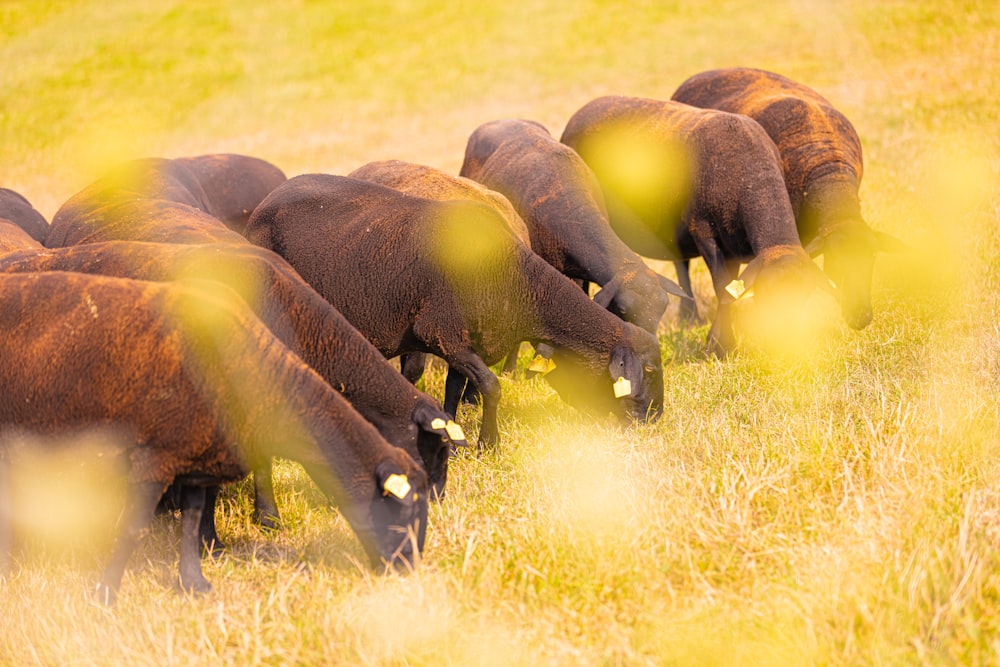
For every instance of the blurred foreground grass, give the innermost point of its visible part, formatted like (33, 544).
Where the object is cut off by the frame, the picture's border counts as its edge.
(837, 507)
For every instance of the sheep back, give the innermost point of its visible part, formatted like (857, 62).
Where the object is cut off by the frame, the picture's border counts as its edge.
(234, 184)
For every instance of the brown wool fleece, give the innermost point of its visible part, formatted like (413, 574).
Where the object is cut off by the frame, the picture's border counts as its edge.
(560, 200)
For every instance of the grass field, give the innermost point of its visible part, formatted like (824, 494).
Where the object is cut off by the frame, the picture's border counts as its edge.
(836, 506)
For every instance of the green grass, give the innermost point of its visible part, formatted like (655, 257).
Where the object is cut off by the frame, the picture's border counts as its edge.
(840, 507)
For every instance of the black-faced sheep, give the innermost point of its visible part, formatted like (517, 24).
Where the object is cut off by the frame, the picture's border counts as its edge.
(682, 182)
(206, 393)
(233, 184)
(560, 200)
(424, 181)
(821, 156)
(300, 317)
(450, 278)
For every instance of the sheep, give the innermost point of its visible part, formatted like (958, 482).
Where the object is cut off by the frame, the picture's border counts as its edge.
(821, 157)
(233, 184)
(205, 393)
(17, 210)
(450, 278)
(682, 182)
(14, 238)
(136, 219)
(300, 317)
(423, 181)
(561, 201)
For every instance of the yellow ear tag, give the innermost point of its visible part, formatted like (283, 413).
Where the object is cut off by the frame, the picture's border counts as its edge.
(438, 424)
(397, 485)
(736, 288)
(541, 365)
(622, 387)
(454, 431)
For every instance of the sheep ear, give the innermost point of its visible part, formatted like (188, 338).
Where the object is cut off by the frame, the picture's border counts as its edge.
(749, 274)
(815, 247)
(394, 483)
(823, 282)
(435, 420)
(670, 287)
(625, 370)
(890, 243)
(607, 293)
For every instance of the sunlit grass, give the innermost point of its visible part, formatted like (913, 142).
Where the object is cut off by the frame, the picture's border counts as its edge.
(839, 505)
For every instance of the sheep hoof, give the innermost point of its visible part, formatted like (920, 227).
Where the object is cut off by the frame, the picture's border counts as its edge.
(269, 521)
(196, 587)
(106, 595)
(689, 318)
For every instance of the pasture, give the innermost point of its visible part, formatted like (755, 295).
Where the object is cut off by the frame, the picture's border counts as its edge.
(835, 502)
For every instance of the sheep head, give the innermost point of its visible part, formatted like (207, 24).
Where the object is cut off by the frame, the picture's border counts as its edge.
(629, 383)
(397, 514)
(848, 251)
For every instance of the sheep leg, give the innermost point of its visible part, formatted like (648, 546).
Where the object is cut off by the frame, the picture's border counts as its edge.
(454, 388)
(411, 365)
(688, 313)
(265, 507)
(140, 504)
(482, 378)
(210, 541)
(510, 363)
(721, 337)
(192, 508)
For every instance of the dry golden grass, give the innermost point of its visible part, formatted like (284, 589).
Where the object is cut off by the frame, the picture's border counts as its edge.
(837, 506)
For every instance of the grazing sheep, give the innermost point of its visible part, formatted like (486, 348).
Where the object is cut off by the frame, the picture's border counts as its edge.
(423, 181)
(19, 211)
(450, 278)
(206, 394)
(560, 200)
(430, 183)
(683, 182)
(821, 156)
(233, 184)
(298, 316)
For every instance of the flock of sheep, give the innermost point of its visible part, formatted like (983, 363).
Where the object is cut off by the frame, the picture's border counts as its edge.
(217, 314)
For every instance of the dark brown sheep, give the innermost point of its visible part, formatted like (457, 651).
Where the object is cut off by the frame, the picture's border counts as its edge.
(233, 184)
(560, 200)
(137, 219)
(205, 393)
(19, 211)
(821, 155)
(14, 238)
(682, 182)
(300, 317)
(430, 183)
(423, 181)
(450, 278)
